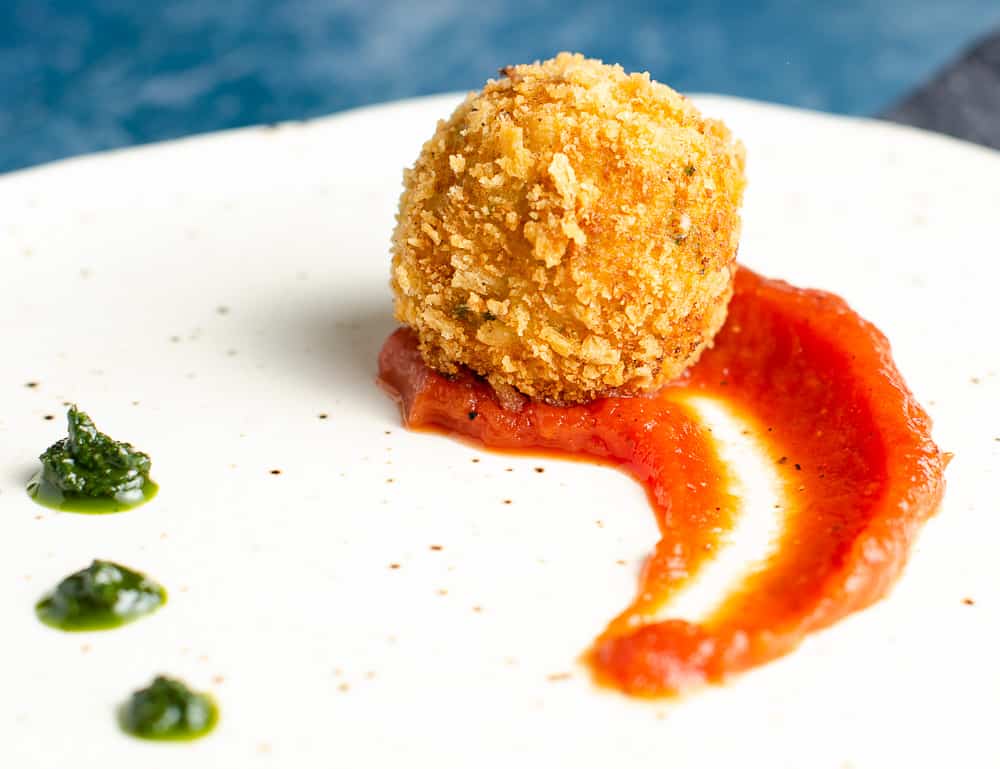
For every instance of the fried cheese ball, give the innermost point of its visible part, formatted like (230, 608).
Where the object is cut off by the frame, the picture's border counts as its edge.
(569, 232)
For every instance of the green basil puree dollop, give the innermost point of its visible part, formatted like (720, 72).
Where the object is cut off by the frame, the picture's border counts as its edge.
(88, 472)
(102, 596)
(168, 710)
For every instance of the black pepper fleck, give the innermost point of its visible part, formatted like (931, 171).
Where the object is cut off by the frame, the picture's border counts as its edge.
(782, 460)
(276, 472)
(473, 415)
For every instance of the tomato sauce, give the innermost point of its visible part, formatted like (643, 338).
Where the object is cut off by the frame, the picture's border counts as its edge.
(859, 470)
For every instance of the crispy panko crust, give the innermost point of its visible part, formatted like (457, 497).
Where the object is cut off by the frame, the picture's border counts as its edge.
(570, 231)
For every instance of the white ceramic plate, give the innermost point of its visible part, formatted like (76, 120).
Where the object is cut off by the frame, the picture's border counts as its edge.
(113, 273)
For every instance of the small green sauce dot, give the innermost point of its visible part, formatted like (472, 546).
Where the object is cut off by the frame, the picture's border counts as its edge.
(168, 710)
(88, 472)
(105, 595)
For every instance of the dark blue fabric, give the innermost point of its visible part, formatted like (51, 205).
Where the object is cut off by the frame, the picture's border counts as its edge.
(84, 75)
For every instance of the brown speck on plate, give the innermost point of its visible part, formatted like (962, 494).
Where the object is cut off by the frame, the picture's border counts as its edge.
(442, 591)
(48, 417)
(475, 460)
(31, 385)
(222, 310)
(393, 565)
(390, 480)
(968, 602)
(324, 416)
(508, 501)
(437, 547)
(276, 472)
(344, 687)
(539, 469)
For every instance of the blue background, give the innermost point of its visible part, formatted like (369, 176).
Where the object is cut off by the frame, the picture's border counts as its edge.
(84, 75)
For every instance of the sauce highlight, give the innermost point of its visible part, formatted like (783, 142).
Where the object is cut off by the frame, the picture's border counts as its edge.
(861, 474)
(105, 595)
(88, 472)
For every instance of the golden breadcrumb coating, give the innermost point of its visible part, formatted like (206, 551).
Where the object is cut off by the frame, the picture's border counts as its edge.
(570, 231)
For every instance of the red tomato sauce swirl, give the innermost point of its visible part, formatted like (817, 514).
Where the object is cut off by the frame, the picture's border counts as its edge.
(859, 470)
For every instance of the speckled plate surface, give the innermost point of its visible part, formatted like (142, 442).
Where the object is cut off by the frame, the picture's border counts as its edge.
(220, 303)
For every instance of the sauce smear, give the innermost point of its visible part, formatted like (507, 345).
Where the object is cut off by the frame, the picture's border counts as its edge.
(859, 470)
